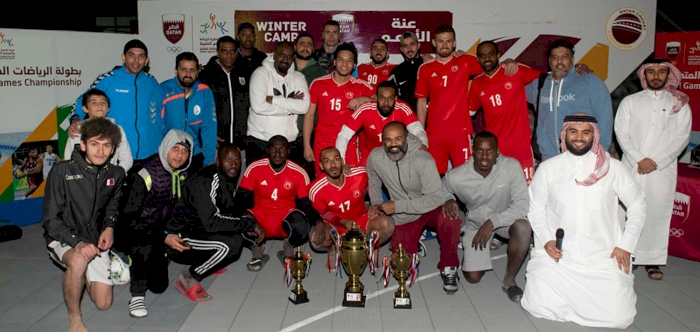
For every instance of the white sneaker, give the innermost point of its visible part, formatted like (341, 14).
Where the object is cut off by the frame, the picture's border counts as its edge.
(137, 307)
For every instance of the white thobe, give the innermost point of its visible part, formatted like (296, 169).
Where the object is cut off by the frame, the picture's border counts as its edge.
(586, 286)
(646, 128)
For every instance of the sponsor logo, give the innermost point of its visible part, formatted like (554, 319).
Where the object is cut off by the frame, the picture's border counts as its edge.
(372, 127)
(347, 23)
(566, 97)
(174, 49)
(73, 177)
(263, 183)
(7, 50)
(331, 203)
(482, 94)
(681, 206)
(173, 27)
(287, 185)
(121, 90)
(626, 28)
(325, 94)
(212, 24)
(673, 48)
(433, 75)
(197, 110)
(676, 232)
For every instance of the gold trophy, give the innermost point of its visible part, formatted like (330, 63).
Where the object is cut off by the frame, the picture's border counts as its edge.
(402, 265)
(353, 254)
(296, 267)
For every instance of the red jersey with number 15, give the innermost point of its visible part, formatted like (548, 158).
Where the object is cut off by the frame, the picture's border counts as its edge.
(446, 85)
(274, 192)
(332, 101)
(374, 75)
(346, 201)
(505, 105)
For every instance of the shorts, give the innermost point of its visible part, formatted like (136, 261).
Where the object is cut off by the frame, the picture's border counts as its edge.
(443, 148)
(271, 221)
(524, 156)
(361, 222)
(34, 181)
(478, 260)
(98, 269)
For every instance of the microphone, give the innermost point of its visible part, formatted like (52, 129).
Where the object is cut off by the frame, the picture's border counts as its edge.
(560, 238)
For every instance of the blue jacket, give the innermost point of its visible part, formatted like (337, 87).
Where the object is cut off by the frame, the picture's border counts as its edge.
(585, 93)
(128, 92)
(195, 114)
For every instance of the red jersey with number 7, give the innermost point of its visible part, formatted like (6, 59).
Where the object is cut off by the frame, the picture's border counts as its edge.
(275, 192)
(446, 85)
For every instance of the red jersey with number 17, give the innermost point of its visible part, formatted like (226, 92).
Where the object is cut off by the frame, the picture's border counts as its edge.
(374, 75)
(505, 105)
(446, 85)
(332, 101)
(346, 201)
(275, 192)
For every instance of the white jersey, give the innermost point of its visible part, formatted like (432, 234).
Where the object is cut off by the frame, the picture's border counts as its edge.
(49, 160)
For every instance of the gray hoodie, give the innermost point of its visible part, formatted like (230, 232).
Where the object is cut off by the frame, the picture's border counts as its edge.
(413, 182)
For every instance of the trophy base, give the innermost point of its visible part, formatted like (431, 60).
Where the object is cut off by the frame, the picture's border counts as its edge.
(298, 298)
(354, 300)
(402, 303)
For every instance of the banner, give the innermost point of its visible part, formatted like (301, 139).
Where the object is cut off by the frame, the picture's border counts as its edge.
(41, 75)
(612, 37)
(360, 28)
(683, 49)
(685, 221)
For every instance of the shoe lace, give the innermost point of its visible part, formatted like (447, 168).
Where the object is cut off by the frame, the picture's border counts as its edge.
(450, 278)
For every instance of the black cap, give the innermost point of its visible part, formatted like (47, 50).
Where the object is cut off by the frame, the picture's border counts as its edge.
(186, 144)
(245, 25)
(135, 43)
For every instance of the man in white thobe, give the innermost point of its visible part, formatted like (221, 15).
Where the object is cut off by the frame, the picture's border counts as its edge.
(653, 129)
(587, 281)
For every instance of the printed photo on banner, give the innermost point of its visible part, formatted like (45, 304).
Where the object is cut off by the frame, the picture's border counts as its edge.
(31, 164)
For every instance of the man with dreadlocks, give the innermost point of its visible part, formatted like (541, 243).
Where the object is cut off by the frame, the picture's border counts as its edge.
(653, 128)
(587, 279)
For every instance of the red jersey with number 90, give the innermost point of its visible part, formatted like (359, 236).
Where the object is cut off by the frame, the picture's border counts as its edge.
(446, 85)
(275, 192)
(331, 100)
(346, 201)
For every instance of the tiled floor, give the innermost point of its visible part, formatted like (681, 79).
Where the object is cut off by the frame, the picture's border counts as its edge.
(31, 300)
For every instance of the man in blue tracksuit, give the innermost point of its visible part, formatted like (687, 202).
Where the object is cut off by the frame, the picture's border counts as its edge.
(184, 103)
(129, 90)
(565, 93)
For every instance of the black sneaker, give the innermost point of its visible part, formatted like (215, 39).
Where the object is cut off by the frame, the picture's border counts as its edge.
(422, 250)
(450, 280)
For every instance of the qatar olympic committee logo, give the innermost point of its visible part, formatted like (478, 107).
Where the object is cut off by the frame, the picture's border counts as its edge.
(627, 28)
(173, 27)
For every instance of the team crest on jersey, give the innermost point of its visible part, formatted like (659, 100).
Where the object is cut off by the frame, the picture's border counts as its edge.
(356, 193)
(287, 185)
(349, 95)
(508, 85)
(455, 68)
(385, 72)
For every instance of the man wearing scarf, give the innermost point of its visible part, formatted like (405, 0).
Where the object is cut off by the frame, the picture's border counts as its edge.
(587, 279)
(653, 129)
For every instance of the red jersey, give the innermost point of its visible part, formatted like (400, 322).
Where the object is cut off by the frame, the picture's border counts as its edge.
(374, 75)
(446, 85)
(332, 101)
(367, 117)
(346, 201)
(275, 192)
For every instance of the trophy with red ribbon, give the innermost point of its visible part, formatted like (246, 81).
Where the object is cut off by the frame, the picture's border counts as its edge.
(403, 266)
(354, 250)
(297, 267)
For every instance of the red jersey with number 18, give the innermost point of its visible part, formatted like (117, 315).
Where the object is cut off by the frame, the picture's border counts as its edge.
(374, 75)
(275, 192)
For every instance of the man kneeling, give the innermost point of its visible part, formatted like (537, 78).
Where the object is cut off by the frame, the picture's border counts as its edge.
(340, 199)
(207, 226)
(81, 205)
(494, 190)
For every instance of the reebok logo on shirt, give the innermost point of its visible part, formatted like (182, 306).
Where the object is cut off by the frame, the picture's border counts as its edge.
(566, 97)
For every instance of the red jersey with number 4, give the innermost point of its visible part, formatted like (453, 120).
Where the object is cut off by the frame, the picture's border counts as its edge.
(275, 192)
(332, 101)
(505, 106)
(446, 86)
(346, 201)
(374, 75)
(367, 117)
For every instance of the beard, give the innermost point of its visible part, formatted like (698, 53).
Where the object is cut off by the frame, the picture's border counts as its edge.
(579, 152)
(396, 156)
(185, 84)
(658, 85)
(300, 57)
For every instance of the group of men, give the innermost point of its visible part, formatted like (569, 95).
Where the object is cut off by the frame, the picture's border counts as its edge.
(317, 140)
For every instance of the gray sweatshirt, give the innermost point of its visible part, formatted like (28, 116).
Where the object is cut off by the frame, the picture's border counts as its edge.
(413, 182)
(501, 196)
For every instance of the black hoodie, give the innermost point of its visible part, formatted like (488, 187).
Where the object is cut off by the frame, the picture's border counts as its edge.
(81, 200)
